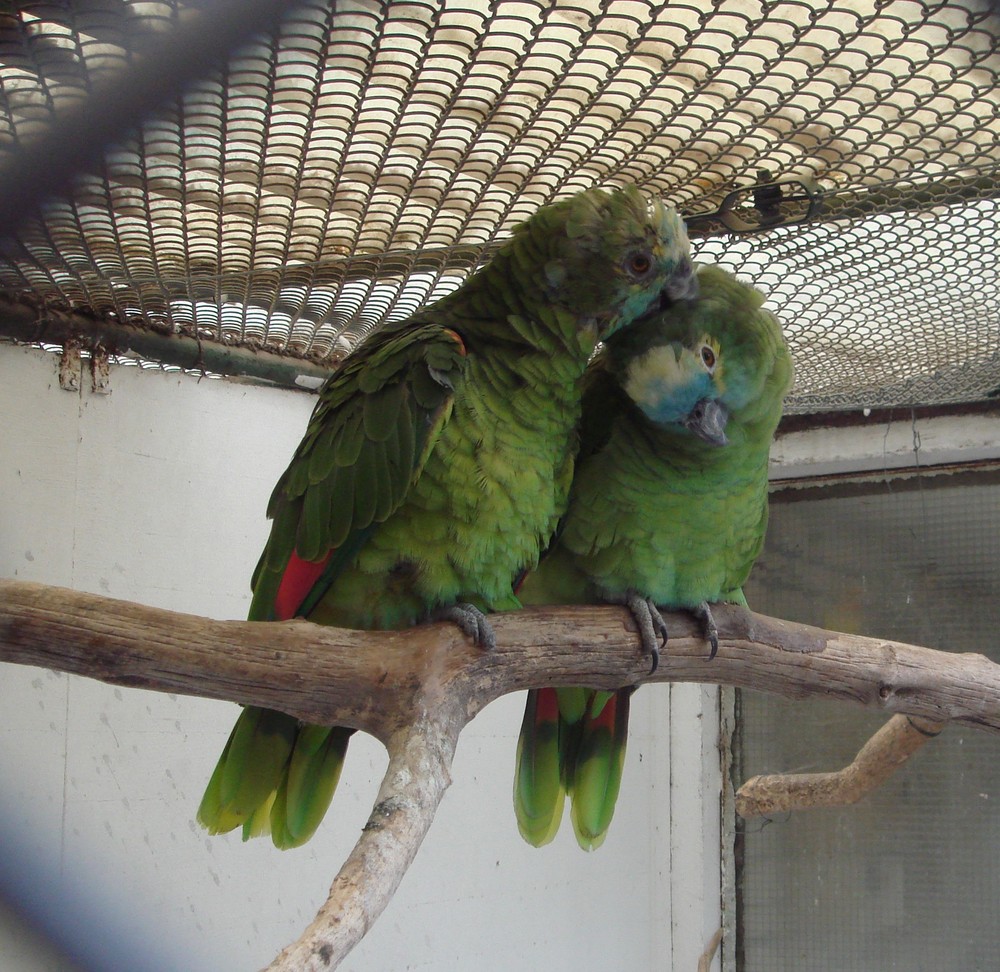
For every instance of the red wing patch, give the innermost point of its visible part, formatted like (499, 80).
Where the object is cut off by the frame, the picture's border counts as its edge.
(519, 580)
(458, 338)
(296, 583)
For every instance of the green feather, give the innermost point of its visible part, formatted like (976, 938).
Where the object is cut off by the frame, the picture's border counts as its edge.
(293, 484)
(406, 451)
(597, 775)
(322, 458)
(271, 817)
(213, 815)
(350, 440)
(382, 412)
(311, 537)
(365, 488)
(597, 703)
(428, 393)
(372, 378)
(384, 492)
(331, 489)
(265, 590)
(341, 512)
(313, 773)
(538, 790)
(572, 704)
(258, 824)
(282, 540)
(249, 769)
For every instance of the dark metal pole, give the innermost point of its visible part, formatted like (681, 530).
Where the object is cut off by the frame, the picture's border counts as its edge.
(46, 165)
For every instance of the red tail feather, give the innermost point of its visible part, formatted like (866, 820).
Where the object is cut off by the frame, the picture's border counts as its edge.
(546, 705)
(608, 714)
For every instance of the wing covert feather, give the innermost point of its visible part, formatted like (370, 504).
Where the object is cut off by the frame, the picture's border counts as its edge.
(369, 436)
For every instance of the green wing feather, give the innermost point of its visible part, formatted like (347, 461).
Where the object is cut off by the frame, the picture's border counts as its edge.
(369, 436)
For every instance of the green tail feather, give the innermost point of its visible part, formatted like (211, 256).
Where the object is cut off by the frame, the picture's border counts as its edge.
(249, 769)
(598, 700)
(597, 770)
(258, 824)
(538, 787)
(572, 741)
(573, 704)
(211, 813)
(272, 820)
(309, 784)
(260, 745)
(276, 776)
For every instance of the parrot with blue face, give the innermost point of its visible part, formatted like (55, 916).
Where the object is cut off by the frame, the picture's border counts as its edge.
(436, 464)
(668, 507)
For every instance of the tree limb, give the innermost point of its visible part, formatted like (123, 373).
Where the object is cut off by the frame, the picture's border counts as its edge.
(369, 679)
(877, 760)
(415, 690)
(705, 961)
(414, 783)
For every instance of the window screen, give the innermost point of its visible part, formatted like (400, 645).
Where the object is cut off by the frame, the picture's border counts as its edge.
(908, 878)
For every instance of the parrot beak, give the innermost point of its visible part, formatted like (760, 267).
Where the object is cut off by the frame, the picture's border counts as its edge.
(683, 284)
(707, 420)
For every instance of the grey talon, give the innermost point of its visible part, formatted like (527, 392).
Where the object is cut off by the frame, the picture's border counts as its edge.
(652, 627)
(472, 622)
(711, 632)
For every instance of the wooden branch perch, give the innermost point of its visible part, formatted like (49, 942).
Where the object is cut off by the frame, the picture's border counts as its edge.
(705, 961)
(414, 783)
(415, 690)
(877, 760)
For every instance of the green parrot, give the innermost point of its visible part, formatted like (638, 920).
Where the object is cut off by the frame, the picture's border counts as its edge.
(668, 507)
(435, 465)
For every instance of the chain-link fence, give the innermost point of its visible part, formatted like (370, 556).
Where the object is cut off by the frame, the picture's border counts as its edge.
(358, 159)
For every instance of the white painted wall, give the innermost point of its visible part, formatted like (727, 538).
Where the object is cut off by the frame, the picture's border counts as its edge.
(898, 446)
(156, 494)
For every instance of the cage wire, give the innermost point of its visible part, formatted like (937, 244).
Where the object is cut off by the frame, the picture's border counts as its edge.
(357, 160)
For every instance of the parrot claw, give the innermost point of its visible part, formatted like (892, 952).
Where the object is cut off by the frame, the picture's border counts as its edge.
(704, 614)
(652, 627)
(472, 621)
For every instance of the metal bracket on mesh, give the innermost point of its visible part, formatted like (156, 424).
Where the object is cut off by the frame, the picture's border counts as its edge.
(755, 209)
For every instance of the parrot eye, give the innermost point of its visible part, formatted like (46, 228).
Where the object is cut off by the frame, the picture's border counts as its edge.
(638, 264)
(708, 357)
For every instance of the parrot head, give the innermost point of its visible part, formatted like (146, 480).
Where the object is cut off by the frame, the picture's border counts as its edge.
(609, 257)
(674, 383)
(697, 364)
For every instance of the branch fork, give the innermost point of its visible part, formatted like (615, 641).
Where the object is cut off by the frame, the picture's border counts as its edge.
(416, 690)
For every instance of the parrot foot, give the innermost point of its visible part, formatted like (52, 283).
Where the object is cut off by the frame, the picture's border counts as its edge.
(472, 621)
(704, 614)
(652, 627)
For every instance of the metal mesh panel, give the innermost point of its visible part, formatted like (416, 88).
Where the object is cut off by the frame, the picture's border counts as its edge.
(900, 880)
(360, 159)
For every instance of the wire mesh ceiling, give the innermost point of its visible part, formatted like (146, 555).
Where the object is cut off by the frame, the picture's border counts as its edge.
(357, 160)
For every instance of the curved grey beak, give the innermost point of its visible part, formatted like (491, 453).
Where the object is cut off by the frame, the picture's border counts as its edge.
(683, 285)
(707, 420)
